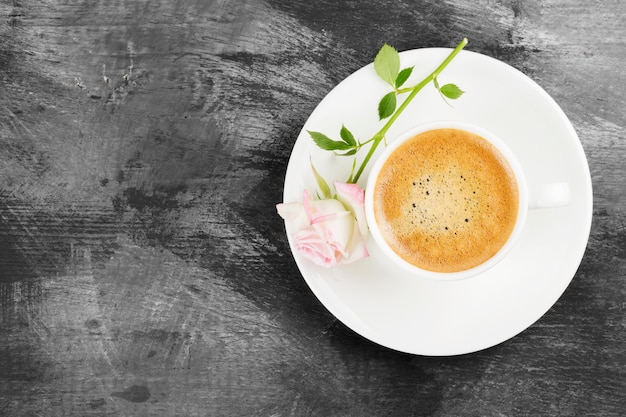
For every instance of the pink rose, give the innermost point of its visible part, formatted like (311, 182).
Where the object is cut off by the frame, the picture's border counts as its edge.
(332, 231)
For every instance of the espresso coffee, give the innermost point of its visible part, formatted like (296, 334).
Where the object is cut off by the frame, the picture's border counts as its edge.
(446, 200)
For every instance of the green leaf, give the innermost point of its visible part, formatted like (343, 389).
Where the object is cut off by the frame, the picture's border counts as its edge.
(327, 143)
(387, 64)
(347, 136)
(321, 183)
(387, 105)
(403, 76)
(452, 91)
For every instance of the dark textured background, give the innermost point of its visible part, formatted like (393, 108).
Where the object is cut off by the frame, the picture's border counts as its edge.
(143, 270)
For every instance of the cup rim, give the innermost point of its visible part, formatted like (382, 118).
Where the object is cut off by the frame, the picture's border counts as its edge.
(521, 212)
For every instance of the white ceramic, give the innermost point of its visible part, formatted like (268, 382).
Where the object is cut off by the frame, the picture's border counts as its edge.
(386, 304)
(545, 196)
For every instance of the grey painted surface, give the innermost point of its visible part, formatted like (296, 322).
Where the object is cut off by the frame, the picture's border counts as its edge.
(143, 269)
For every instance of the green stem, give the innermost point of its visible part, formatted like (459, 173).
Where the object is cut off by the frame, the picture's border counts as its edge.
(404, 90)
(379, 136)
(361, 144)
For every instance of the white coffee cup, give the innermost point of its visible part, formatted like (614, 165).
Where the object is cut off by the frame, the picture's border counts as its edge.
(543, 196)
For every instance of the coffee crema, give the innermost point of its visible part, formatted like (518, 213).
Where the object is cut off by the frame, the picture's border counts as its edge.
(446, 200)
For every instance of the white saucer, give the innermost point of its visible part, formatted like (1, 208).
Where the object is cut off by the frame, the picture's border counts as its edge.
(394, 309)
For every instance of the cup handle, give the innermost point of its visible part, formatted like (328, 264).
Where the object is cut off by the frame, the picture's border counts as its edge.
(555, 194)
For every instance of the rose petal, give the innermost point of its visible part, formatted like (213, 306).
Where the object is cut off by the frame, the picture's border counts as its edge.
(314, 247)
(306, 203)
(337, 232)
(353, 198)
(331, 215)
(321, 210)
(294, 214)
(357, 249)
(289, 211)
